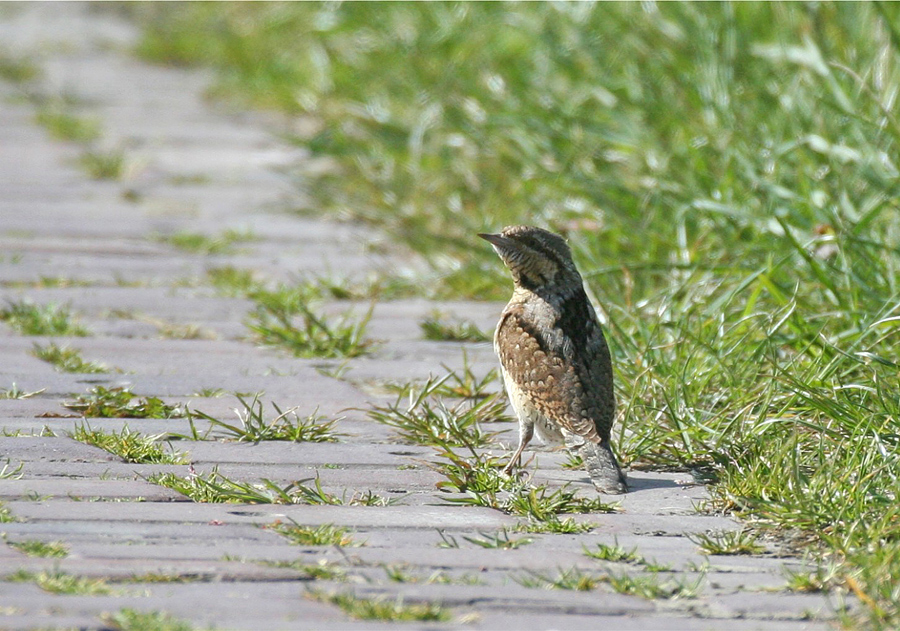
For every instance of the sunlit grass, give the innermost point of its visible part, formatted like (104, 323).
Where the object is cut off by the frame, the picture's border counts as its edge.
(129, 445)
(28, 318)
(67, 359)
(66, 125)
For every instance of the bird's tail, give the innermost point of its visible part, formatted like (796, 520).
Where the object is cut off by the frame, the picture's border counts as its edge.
(600, 463)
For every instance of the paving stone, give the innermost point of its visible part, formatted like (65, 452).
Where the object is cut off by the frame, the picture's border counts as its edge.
(775, 606)
(280, 452)
(214, 532)
(87, 489)
(186, 512)
(37, 449)
(633, 622)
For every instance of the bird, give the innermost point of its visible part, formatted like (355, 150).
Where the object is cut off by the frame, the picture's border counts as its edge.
(554, 360)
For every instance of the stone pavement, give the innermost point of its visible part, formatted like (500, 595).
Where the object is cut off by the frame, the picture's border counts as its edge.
(192, 167)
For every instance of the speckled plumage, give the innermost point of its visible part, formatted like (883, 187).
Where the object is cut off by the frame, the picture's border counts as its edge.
(554, 359)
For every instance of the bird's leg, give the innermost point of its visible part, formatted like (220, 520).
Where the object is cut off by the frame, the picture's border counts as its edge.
(526, 431)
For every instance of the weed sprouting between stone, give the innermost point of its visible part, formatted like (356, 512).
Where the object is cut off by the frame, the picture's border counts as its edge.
(439, 328)
(286, 424)
(37, 548)
(30, 319)
(323, 535)
(729, 542)
(67, 359)
(288, 321)
(102, 402)
(129, 445)
(214, 487)
(382, 608)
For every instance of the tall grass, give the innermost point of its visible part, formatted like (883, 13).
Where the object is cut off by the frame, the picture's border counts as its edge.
(727, 175)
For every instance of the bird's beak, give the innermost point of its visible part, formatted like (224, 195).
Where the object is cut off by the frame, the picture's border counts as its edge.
(497, 240)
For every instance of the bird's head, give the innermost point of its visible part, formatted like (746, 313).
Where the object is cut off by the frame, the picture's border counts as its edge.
(535, 257)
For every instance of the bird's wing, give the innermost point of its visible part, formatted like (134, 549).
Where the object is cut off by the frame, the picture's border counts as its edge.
(564, 371)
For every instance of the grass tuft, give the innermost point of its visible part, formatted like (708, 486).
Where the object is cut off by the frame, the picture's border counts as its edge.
(8, 472)
(28, 318)
(104, 165)
(134, 620)
(67, 359)
(614, 553)
(57, 582)
(499, 540)
(651, 587)
(569, 579)
(728, 542)
(288, 321)
(37, 548)
(215, 488)
(15, 393)
(324, 535)
(425, 419)
(286, 425)
(205, 244)
(129, 445)
(321, 571)
(437, 327)
(6, 516)
(16, 69)
(64, 125)
(102, 402)
(382, 608)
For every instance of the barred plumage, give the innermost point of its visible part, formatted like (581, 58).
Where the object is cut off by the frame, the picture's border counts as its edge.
(553, 356)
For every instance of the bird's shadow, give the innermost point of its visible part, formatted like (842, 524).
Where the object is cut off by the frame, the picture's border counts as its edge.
(648, 483)
(642, 483)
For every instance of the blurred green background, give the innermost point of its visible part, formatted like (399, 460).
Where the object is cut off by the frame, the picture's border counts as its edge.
(727, 175)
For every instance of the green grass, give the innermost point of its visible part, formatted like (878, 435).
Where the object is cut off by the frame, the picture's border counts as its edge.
(617, 554)
(67, 359)
(37, 548)
(9, 472)
(13, 392)
(133, 620)
(231, 281)
(287, 316)
(103, 165)
(437, 327)
(324, 535)
(18, 70)
(726, 175)
(728, 542)
(321, 571)
(285, 425)
(569, 579)
(424, 418)
(129, 445)
(57, 582)
(102, 402)
(206, 244)
(382, 608)
(215, 488)
(401, 573)
(287, 319)
(651, 587)
(499, 540)
(28, 318)
(65, 125)
(6, 516)
(614, 553)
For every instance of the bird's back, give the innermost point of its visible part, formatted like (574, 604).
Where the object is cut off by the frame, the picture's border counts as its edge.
(553, 348)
